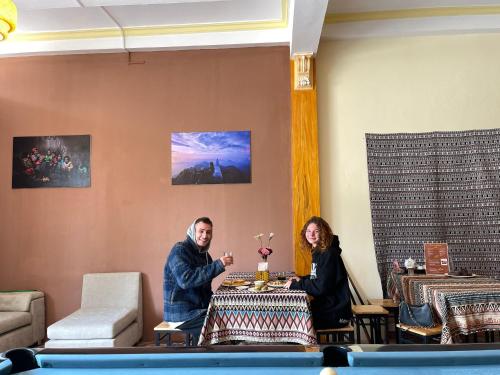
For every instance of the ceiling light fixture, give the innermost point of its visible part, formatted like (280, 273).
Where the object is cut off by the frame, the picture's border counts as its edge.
(8, 18)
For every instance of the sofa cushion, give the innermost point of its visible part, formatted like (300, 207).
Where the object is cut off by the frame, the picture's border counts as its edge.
(128, 337)
(18, 301)
(117, 289)
(10, 320)
(92, 323)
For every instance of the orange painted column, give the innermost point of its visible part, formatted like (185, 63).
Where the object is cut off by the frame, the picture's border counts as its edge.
(305, 164)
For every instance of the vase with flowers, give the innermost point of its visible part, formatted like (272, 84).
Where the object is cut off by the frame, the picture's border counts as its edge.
(264, 252)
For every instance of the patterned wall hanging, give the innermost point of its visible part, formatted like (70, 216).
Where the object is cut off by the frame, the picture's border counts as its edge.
(436, 187)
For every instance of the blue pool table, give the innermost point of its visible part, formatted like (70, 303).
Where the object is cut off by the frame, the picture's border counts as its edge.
(255, 360)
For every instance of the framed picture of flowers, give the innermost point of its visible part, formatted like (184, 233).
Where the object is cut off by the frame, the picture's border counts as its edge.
(51, 161)
(211, 158)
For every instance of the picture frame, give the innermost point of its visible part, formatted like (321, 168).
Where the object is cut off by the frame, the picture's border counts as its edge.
(51, 161)
(220, 157)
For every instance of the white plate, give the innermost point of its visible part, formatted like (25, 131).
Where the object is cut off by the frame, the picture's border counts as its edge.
(243, 287)
(277, 284)
(253, 290)
(461, 276)
(236, 283)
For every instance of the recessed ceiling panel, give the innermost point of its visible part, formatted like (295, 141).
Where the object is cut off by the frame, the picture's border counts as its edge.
(63, 19)
(197, 13)
(107, 3)
(45, 4)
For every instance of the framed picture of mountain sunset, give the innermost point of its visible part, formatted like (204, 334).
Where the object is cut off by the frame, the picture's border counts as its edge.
(211, 158)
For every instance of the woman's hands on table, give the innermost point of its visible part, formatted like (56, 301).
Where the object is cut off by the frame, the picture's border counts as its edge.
(289, 282)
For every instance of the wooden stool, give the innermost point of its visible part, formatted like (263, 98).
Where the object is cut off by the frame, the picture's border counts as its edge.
(374, 314)
(418, 335)
(392, 307)
(163, 332)
(343, 335)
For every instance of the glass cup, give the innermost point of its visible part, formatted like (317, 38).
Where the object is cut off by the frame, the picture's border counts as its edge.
(229, 254)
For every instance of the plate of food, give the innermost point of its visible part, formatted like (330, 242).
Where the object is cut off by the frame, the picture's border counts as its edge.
(263, 290)
(277, 283)
(236, 282)
(243, 287)
(458, 276)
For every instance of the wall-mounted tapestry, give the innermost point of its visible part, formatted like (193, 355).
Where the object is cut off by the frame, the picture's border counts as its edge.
(211, 158)
(51, 161)
(436, 187)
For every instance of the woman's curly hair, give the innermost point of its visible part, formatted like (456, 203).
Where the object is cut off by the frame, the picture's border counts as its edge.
(325, 234)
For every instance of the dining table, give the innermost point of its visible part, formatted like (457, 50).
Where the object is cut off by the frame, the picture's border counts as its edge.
(464, 305)
(243, 314)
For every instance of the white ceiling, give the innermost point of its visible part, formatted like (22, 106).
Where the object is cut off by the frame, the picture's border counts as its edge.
(88, 26)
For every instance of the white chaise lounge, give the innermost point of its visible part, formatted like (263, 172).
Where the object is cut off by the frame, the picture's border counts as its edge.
(110, 314)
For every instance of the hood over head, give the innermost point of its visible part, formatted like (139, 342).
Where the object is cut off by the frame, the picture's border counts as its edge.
(191, 233)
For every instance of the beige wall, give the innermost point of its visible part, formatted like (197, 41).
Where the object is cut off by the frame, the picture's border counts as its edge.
(132, 215)
(416, 84)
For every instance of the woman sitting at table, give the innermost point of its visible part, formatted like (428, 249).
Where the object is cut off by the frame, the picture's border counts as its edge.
(328, 282)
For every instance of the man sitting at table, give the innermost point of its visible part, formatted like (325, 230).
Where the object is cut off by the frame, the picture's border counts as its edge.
(187, 278)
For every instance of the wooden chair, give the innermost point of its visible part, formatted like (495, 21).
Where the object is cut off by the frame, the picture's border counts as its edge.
(369, 317)
(375, 316)
(163, 333)
(489, 336)
(418, 335)
(391, 306)
(343, 335)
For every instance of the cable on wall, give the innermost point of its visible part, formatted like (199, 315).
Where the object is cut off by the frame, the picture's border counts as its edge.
(122, 32)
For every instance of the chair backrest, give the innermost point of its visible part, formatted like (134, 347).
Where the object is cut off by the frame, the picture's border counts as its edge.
(118, 289)
(356, 298)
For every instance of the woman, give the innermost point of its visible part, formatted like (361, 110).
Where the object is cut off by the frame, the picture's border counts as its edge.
(328, 282)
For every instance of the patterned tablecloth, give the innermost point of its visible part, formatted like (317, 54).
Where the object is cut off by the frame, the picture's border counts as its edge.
(276, 316)
(464, 305)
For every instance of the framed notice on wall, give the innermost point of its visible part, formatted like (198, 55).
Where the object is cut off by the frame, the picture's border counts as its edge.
(436, 258)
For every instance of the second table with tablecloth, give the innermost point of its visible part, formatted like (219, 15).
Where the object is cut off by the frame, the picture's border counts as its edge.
(463, 305)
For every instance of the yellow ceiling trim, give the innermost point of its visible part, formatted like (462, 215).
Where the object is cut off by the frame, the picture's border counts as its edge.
(410, 13)
(63, 35)
(157, 30)
(284, 13)
(193, 29)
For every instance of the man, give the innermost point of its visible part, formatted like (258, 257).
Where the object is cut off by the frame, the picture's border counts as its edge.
(187, 278)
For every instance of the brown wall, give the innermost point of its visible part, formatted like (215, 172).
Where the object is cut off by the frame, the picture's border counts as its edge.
(131, 216)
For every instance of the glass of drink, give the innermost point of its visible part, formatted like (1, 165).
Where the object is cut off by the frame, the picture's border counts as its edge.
(229, 254)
